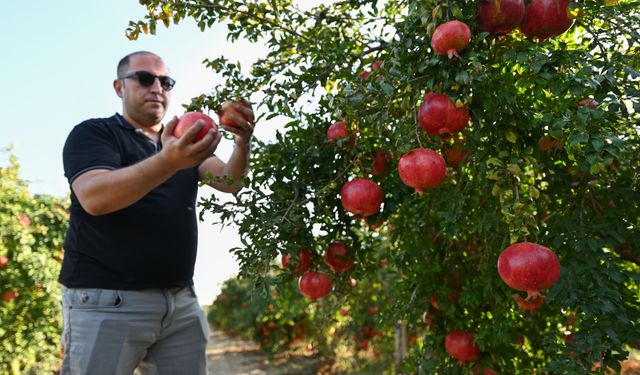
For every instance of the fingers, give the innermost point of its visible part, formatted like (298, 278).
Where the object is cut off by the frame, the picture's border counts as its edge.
(241, 107)
(235, 123)
(190, 134)
(169, 128)
(208, 144)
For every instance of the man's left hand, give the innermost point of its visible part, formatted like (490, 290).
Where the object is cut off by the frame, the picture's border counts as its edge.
(237, 117)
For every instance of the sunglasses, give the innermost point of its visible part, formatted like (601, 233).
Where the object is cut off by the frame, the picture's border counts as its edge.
(147, 79)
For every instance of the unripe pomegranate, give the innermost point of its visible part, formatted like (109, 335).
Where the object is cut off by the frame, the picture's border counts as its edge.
(339, 130)
(314, 285)
(450, 38)
(439, 116)
(189, 119)
(422, 169)
(460, 345)
(300, 265)
(529, 267)
(336, 257)
(528, 304)
(361, 197)
(544, 19)
(499, 17)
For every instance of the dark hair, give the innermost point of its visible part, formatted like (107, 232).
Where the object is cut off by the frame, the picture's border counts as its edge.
(123, 65)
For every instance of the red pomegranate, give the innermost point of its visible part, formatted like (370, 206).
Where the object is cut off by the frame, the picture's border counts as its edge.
(455, 154)
(450, 38)
(9, 295)
(457, 120)
(314, 285)
(361, 197)
(3, 261)
(544, 19)
(528, 304)
(499, 17)
(439, 116)
(339, 130)
(422, 169)
(300, 265)
(589, 103)
(528, 267)
(460, 345)
(381, 159)
(546, 143)
(189, 119)
(483, 370)
(336, 257)
(433, 112)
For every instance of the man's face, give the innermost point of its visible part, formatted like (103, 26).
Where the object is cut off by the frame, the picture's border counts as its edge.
(144, 105)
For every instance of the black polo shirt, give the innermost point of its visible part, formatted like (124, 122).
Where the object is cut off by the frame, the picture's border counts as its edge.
(150, 244)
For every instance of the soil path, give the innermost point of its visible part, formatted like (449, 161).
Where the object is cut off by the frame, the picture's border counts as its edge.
(235, 356)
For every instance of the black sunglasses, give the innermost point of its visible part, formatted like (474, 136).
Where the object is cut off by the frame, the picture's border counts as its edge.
(147, 79)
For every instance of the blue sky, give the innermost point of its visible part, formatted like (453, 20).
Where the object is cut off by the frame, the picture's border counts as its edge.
(59, 59)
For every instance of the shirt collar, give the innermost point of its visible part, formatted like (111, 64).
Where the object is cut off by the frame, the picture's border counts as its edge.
(123, 123)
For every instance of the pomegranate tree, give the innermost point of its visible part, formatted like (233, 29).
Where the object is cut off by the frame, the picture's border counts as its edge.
(337, 257)
(460, 345)
(529, 267)
(361, 197)
(438, 115)
(499, 17)
(422, 169)
(314, 285)
(544, 19)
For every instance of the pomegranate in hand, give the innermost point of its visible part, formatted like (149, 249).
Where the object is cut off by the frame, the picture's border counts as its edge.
(188, 120)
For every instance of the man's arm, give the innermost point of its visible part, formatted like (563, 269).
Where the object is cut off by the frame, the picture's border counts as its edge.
(234, 169)
(102, 191)
(238, 118)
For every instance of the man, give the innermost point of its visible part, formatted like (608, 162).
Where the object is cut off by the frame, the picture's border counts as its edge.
(128, 299)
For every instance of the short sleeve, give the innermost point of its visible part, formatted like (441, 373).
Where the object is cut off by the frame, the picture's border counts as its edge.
(90, 145)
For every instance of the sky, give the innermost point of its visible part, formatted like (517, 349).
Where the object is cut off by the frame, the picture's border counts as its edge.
(59, 60)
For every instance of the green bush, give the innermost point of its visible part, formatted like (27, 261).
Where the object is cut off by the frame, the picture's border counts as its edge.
(32, 229)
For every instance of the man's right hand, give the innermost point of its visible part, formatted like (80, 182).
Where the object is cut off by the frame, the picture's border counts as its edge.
(181, 153)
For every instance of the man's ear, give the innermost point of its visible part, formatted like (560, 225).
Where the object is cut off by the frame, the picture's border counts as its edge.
(118, 85)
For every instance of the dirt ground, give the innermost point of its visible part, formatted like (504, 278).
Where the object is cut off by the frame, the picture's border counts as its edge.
(235, 356)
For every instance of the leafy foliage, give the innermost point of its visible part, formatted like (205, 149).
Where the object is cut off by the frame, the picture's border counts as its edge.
(579, 197)
(31, 235)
